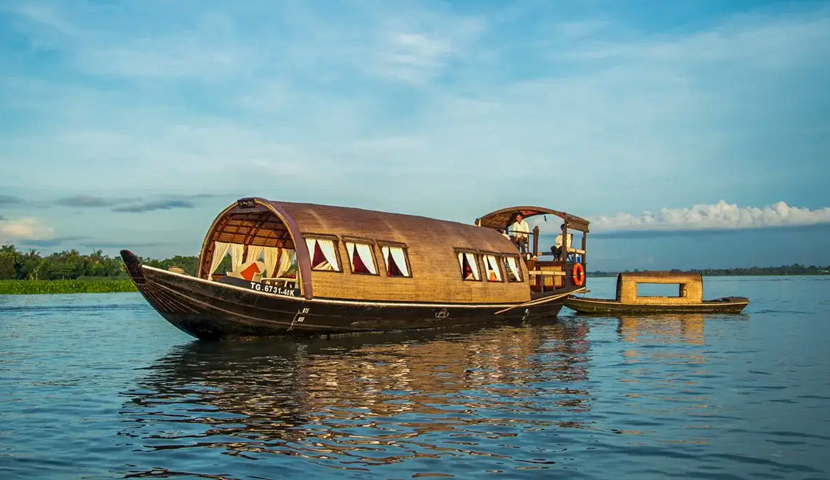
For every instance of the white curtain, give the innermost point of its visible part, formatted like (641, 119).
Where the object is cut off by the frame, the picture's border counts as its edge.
(397, 257)
(471, 259)
(327, 247)
(400, 260)
(253, 253)
(492, 268)
(364, 252)
(310, 243)
(514, 268)
(220, 249)
(286, 259)
(236, 255)
(272, 255)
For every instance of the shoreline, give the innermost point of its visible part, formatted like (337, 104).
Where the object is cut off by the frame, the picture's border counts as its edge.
(125, 285)
(47, 287)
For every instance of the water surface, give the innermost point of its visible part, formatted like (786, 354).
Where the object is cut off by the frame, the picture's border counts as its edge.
(99, 386)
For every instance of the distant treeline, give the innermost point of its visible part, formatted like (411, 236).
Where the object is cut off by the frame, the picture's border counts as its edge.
(796, 269)
(72, 265)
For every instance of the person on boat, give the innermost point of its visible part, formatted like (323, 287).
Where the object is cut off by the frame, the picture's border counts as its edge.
(519, 231)
(558, 251)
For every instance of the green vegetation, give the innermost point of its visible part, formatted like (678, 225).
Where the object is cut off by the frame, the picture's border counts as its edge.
(72, 272)
(107, 285)
(796, 269)
(72, 265)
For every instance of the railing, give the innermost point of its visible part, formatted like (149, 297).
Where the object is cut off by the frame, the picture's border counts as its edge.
(567, 255)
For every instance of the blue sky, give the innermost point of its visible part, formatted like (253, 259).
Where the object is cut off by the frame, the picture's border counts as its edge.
(670, 125)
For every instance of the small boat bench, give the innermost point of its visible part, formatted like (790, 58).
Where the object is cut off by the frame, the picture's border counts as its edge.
(547, 278)
(543, 273)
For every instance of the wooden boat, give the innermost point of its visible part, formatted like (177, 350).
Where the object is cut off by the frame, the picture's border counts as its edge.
(688, 300)
(306, 269)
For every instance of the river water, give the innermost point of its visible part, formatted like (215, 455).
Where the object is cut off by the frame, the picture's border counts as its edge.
(99, 386)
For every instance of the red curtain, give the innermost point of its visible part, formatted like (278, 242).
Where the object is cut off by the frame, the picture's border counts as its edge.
(319, 258)
(357, 263)
(465, 266)
(392, 270)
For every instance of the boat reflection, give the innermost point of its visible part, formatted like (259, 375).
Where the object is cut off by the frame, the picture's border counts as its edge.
(664, 369)
(677, 328)
(380, 398)
(647, 331)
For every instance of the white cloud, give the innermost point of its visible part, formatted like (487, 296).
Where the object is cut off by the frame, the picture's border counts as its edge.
(24, 229)
(720, 216)
(302, 103)
(407, 42)
(417, 55)
(412, 56)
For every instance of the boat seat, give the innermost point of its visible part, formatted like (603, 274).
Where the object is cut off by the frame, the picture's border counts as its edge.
(552, 273)
(280, 280)
(249, 271)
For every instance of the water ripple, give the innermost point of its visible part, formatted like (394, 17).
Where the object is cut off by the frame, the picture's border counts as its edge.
(101, 387)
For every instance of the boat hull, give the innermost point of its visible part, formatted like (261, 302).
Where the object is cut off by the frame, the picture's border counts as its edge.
(604, 306)
(214, 311)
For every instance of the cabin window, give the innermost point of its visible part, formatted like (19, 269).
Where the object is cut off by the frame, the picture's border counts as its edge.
(671, 290)
(361, 258)
(395, 258)
(491, 269)
(469, 266)
(323, 254)
(511, 266)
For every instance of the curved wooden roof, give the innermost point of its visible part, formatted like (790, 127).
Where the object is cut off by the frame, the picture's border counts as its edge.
(500, 219)
(393, 227)
(430, 243)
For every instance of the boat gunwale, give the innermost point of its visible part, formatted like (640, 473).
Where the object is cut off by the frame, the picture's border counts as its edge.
(367, 303)
(605, 301)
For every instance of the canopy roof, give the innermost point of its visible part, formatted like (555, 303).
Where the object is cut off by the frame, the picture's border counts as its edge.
(501, 219)
(257, 221)
(430, 242)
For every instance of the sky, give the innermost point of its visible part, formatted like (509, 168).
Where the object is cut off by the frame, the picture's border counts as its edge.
(690, 134)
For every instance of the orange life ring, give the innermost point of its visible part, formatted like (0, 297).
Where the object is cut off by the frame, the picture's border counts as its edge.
(578, 274)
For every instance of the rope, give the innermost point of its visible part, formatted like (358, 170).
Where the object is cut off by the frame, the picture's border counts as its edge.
(540, 301)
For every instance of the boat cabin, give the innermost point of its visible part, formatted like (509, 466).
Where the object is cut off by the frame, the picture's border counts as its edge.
(632, 299)
(554, 262)
(689, 288)
(329, 252)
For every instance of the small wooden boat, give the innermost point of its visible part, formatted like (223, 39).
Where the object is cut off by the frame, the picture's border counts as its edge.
(688, 300)
(306, 269)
